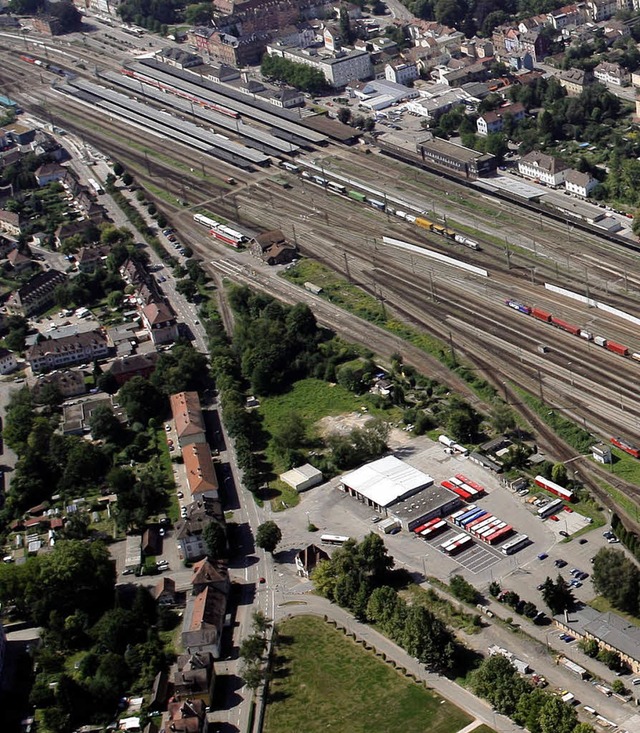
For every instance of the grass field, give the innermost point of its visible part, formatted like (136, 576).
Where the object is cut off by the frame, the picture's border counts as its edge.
(312, 399)
(600, 603)
(324, 681)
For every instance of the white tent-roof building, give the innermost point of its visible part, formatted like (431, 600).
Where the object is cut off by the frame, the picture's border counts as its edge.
(385, 482)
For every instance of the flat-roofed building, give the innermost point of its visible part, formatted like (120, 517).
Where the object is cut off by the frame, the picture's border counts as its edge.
(466, 161)
(385, 482)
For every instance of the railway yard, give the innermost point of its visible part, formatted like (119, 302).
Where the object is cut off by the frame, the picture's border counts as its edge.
(520, 250)
(527, 301)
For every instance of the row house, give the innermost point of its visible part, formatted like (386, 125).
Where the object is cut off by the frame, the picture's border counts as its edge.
(201, 473)
(599, 10)
(194, 677)
(37, 294)
(90, 259)
(575, 81)
(187, 417)
(204, 621)
(67, 350)
(188, 531)
(160, 322)
(493, 121)
(186, 716)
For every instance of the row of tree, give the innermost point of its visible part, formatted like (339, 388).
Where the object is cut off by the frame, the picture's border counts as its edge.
(617, 577)
(498, 682)
(357, 577)
(296, 75)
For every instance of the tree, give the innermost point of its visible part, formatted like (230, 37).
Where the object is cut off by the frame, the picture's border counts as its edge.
(617, 578)
(494, 588)
(268, 536)
(502, 418)
(463, 590)
(127, 178)
(557, 717)
(498, 682)
(115, 298)
(559, 474)
(558, 595)
(528, 707)
(104, 425)
(260, 622)
(344, 115)
(618, 687)
(215, 537)
(590, 647)
(141, 400)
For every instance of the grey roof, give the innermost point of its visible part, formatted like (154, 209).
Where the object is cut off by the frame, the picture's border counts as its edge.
(609, 628)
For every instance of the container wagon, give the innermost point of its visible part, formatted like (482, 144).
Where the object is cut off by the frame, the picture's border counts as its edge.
(617, 348)
(574, 330)
(461, 239)
(627, 447)
(541, 315)
(357, 196)
(554, 488)
(424, 223)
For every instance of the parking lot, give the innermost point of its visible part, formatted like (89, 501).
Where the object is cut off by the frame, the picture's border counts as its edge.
(476, 558)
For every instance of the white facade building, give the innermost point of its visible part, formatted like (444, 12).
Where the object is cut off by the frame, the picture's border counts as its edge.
(543, 168)
(338, 69)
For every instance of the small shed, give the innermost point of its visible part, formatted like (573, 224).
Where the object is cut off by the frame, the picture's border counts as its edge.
(302, 477)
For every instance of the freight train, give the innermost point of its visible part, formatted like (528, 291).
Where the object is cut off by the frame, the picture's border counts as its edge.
(382, 205)
(546, 317)
(46, 65)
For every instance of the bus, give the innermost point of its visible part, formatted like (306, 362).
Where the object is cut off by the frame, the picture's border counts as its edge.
(551, 508)
(333, 539)
(95, 186)
(517, 543)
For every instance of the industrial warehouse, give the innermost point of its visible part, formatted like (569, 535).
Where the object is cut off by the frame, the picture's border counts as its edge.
(400, 491)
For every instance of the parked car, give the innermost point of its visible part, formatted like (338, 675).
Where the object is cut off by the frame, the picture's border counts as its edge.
(543, 556)
(563, 533)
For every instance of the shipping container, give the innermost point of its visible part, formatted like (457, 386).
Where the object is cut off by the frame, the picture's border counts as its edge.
(565, 326)
(617, 348)
(541, 315)
(587, 335)
(600, 341)
(424, 223)
(357, 196)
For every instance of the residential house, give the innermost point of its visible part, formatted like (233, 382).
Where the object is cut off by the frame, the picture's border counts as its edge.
(575, 81)
(287, 98)
(520, 61)
(188, 531)
(187, 417)
(75, 349)
(401, 72)
(68, 382)
(493, 121)
(201, 474)
(598, 10)
(569, 15)
(19, 262)
(187, 716)
(307, 560)
(165, 591)
(273, 248)
(579, 184)
(543, 168)
(194, 677)
(8, 361)
(210, 572)
(204, 620)
(611, 74)
(134, 273)
(125, 368)
(10, 222)
(90, 259)
(157, 699)
(86, 228)
(160, 322)
(49, 172)
(37, 294)
(44, 144)
(536, 44)
(20, 133)
(151, 542)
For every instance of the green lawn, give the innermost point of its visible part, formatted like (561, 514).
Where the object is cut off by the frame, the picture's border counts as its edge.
(625, 466)
(312, 399)
(324, 681)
